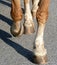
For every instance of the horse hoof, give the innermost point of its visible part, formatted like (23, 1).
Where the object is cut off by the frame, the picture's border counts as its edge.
(29, 29)
(40, 59)
(18, 32)
(14, 33)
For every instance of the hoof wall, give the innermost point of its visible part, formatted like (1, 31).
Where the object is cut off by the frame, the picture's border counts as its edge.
(29, 30)
(19, 33)
(40, 59)
(15, 34)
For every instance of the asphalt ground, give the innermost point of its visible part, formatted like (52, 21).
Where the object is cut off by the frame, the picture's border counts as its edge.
(18, 50)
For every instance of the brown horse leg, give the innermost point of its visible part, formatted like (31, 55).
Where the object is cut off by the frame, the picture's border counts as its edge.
(39, 49)
(16, 14)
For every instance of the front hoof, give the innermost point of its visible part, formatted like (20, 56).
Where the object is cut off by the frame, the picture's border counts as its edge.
(40, 59)
(19, 32)
(14, 33)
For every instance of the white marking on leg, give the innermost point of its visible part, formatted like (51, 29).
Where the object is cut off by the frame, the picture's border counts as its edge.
(39, 43)
(35, 6)
(28, 15)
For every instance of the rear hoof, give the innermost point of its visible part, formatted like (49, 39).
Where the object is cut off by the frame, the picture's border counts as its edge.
(40, 59)
(29, 30)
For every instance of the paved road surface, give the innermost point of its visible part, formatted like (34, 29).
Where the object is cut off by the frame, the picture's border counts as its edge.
(18, 51)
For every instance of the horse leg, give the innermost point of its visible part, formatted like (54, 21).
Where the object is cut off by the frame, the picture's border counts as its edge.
(28, 24)
(40, 53)
(34, 7)
(16, 14)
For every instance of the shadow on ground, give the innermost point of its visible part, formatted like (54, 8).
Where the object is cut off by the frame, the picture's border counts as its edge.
(5, 19)
(5, 3)
(6, 37)
(21, 50)
(9, 5)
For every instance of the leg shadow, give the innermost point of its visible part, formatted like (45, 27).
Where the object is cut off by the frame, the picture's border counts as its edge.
(5, 3)
(5, 19)
(21, 50)
(9, 0)
(8, 4)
